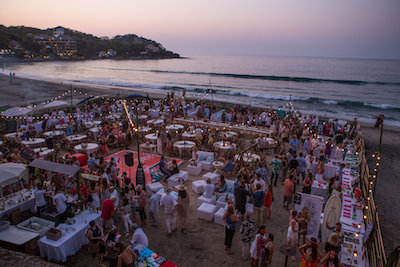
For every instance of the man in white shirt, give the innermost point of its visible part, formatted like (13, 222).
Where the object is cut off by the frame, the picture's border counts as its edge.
(169, 203)
(209, 189)
(259, 181)
(59, 201)
(139, 237)
(154, 204)
(39, 196)
(114, 193)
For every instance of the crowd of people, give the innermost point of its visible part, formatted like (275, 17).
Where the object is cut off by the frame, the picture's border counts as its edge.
(125, 206)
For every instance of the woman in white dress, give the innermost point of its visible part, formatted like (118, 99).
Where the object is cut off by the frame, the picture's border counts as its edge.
(159, 144)
(94, 193)
(256, 246)
(293, 229)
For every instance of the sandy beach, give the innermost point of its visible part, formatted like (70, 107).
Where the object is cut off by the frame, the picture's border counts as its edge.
(203, 243)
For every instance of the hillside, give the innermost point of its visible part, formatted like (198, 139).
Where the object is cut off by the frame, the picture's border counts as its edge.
(61, 43)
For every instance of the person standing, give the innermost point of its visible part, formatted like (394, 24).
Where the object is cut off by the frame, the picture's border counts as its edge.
(288, 191)
(269, 197)
(258, 198)
(247, 229)
(268, 251)
(294, 143)
(182, 207)
(276, 164)
(302, 167)
(169, 203)
(256, 246)
(230, 220)
(293, 229)
(154, 204)
(141, 204)
(240, 198)
(107, 210)
(59, 201)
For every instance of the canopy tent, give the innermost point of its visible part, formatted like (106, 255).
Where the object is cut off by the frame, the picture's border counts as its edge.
(54, 167)
(55, 104)
(11, 173)
(16, 111)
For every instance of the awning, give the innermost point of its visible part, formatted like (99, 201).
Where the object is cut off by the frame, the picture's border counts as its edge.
(11, 173)
(54, 167)
(16, 111)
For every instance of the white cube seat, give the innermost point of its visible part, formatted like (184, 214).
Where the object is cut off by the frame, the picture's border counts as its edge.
(198, 186)
(177, 179)
(219, 216)
(206, 158)
(213, 177)
(195, 170)
(206, 211)
(154, 187)
(221, 203)
(202, 199)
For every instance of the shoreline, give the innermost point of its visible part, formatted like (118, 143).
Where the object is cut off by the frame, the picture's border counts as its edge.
(47, 89)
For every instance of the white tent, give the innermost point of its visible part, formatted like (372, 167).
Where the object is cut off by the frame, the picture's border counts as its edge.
(56, 103)
(11, 173)
(16, 111)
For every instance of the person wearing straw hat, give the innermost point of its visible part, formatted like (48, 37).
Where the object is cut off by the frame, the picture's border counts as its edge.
(182, 207)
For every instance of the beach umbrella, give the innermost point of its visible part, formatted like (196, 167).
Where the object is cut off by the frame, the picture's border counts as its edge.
(56, 103)
(16, 111)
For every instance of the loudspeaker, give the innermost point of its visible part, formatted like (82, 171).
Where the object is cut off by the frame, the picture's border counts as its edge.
(49, 142)
(11, 125)
(129, 159)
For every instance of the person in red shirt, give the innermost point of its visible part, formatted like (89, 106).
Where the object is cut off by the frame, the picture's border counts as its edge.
(288, 191)
(107, 210)
(269, 197)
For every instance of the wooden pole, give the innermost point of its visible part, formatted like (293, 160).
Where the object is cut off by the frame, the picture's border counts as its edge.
(378, 158)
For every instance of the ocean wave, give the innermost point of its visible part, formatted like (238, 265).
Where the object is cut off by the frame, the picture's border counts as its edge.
(263, 77)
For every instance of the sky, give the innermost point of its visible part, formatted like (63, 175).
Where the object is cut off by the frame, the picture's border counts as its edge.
(322, 28)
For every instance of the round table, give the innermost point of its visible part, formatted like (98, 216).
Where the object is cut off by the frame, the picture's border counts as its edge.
(189, 135)
(228, 134)
(143, 117)
(148, 148)
(184, 145)
(224, 145)
(76, 137)
(34, 142)
(174, 127)
(91, 124)
(61, 126)
(151, 137)
(12, 135)
(113, 116)
(218, 165)
(248, 157)
(287, 251)
(156, 122)
(90, 148)
(144, 129)
(43, 151)
(53, 133)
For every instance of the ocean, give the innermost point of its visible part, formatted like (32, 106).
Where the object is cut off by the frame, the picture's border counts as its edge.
(341, 88)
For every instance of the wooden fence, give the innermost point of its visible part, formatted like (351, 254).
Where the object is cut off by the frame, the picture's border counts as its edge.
(376, 250)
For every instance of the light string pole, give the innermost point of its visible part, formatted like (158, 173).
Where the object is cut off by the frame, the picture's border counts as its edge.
(378, 159)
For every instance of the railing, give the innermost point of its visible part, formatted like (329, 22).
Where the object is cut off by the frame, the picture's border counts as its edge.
(376, 250)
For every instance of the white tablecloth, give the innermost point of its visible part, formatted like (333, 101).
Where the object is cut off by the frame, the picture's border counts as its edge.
(53, 133)
(152, 137)
(78, 137)
(184, 144)
(43, 151)
(224, 145)
(174, 127)
(228, 134)
(144, 129)
(12, 135)
(71, 241)
(320, 189)
(248, 157)
(156, 121)
(22, 206)
(189, 135)
(91, 148)
(35, 142)
(154, 113)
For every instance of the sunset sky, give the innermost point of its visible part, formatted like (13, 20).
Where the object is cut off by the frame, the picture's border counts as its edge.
(336, 28)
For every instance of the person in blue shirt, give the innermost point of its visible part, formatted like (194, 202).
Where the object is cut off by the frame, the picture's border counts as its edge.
(25, 135)
(294, 143)
(92, 162)
(306, 146)
(207, 113)
(258, 198)
(163, 168)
